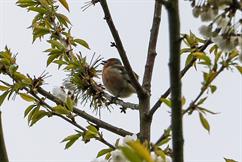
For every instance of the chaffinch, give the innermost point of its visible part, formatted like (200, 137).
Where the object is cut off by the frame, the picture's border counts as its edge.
(116, 79)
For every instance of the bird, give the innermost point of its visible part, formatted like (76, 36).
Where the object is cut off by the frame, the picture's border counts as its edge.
(116, 79)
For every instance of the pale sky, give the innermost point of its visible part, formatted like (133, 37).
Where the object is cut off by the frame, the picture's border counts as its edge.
(41, 143)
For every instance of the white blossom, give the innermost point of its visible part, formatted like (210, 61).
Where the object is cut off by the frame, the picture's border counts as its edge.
(196, 11)
(208, 14)
(240, 56)
(117, 156)
(206, 31)
(68, 85)
(222, 22)
(60, 93)
(240, 49)
(99, 160)
(225, 44)
(156, 158)
(129, 138)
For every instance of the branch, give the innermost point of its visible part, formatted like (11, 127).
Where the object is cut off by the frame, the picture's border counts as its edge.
(175, 81)
(152, 46)
(3, 151)
(145, 121)
(193, 104)
(183, 72)
(120, 48)
(73, 122)
(86, 116)
(121, 102)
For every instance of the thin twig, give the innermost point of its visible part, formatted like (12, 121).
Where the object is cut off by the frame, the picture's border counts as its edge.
(194, 102)
(182, 73)
(152, 46)
(83, 114)
(121, 102)
(192, 105)
(145, 121)
(73, 122)
(120, 48)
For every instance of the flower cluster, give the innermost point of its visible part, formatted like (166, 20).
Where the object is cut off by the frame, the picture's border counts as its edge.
(118, 156)
(224, 29)
(63, 93)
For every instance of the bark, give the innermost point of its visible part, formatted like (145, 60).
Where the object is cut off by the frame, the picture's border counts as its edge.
(175, 81)
(3, 151)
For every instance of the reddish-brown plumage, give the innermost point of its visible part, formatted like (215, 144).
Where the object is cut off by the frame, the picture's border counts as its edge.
(116, 79)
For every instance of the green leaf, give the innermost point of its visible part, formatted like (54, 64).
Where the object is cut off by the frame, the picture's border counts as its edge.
(239, 68)
(92, 129)
(65, 4)
(40, 10)
(70, 104)
(233, 54)
(166, 101)
(27, 97)
(3, 88)
(37, 116)
(214, 49)
(230, 160)
(201, 101)
(3, 96)
(71, 140)
(202, 56)
(28, 109)
(51, 58)
(164, 141)
(71, 137)
(204, 122)
(141, 150)
(104, 151)
(185, 50)
(20, 77)
(25, 3)
(57, 44)
(217, 56)
(44, 3)
(61, 110)
(183, 100)
(91, 132)
(160, 153)
(31, 113)
(206, 110)
(213, 88)
(63, 19)
(108, 155)
(189, 59)
(82, 42)
(130, 154)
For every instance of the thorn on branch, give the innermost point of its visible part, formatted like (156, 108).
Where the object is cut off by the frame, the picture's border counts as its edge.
(123, 110)
(113, 44)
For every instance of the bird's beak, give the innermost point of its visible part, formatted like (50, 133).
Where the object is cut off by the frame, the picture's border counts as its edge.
(103, 62)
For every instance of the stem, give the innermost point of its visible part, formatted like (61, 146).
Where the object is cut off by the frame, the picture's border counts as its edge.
(145, 121)
(193, 104)
(175, 81)
(120, 48)
(83, 114)
(3, 151)
(182, 73)
(73, 122)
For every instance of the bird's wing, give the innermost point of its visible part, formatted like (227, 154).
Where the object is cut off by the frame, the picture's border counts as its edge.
(124, 72)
